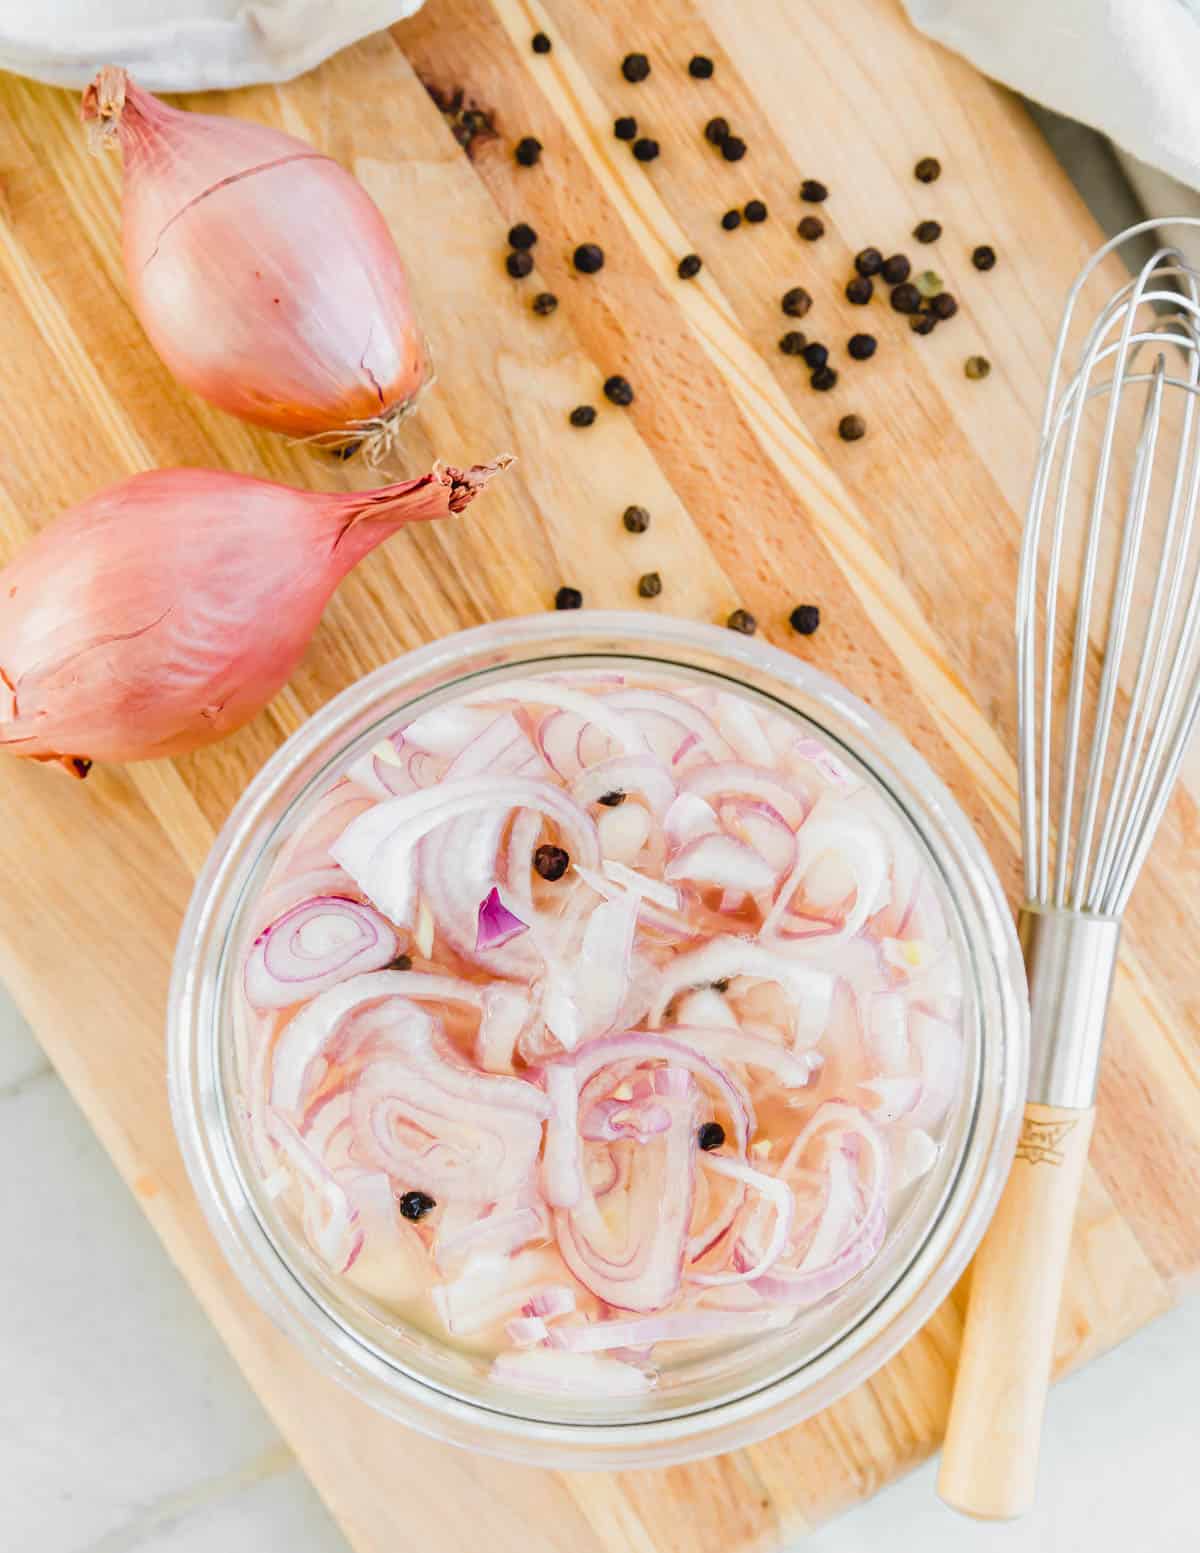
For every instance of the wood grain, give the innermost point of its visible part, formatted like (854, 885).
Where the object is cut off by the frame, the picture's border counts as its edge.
(907, 541)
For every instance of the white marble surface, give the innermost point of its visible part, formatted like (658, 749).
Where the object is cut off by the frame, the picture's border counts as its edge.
(126, 1428)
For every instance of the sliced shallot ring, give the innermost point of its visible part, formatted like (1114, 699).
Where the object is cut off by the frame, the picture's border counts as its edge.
(782, 1200)
(284, 966)
(674, 1327)
(640, 774)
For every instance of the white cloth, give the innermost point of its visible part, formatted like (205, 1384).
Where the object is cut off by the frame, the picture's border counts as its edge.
(184, 45)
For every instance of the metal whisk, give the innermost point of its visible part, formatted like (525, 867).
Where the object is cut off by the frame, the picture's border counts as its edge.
(1108, 690)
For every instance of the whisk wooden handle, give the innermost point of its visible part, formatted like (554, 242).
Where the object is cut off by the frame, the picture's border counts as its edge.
(990, 1459)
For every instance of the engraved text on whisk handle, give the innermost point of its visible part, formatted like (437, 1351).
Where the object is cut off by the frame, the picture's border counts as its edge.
(1070, 959)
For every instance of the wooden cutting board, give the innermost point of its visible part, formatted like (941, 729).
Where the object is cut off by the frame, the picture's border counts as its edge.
(906, 540)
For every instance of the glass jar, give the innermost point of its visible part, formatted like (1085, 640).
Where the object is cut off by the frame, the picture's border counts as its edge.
(714, 1403)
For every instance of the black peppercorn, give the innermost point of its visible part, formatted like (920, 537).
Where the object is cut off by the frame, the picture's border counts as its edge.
(733, 149)
(415, 1205)
(551, 862)
(540, 43)
(923, 323)
(710, 1136)
(851, 428)
(649, 586)
(944, 305)
(793, 343)
(927, 231)
(983, 257)
(691, 264)
(896, 269)
(861, 346)
(928, 283)
(805, 619)
(700, 67)
(927, 170)
(544, 303)
(528, 150)
(742, 620)
(635, 67)
(796, 302)
(519, 264)
(716, 131)
(906, 298)
(755, 210)
(625, 128)
(823, 379)
(521, 236)
(869, 261)
(402, 962)
(811, 228)
(345, 450)
(813, 191)
(582, 415)
(568, 598)
(588, 258)
(816, 355)
(611, 800)
(977, 367)
(722, 986)
(859, 290)
(618, 389)
(731, 219)
(636, 519)
(645, 149)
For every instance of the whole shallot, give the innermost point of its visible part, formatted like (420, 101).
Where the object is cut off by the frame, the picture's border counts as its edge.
(168, 610)
(262, 271)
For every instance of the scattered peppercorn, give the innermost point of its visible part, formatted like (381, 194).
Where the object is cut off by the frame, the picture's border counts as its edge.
(896, 269)
(521, 236)
(568, 598)
(944, 305)
(733, 149)
(796, 302)
(816, 355)
(923, 323)
(977, 367)
(755, 211)
(582, 415)
(528, 151)
(731, 219)
(711, 1136)
(859, 290)
(691, 264)
(927, 231)
(618, 389)
(402, 962)
(635, 68)
(851, 428)
(588, 258)
(742, 620)
(636, 519)
(551, 862)
(928, 283)
(625, 128)
(645, 149)
(868, 261)
(544, 303)
(927, 170)
(906, 298)
(805, 619)
(700, 67)
(519, 264)
(345, 450)
(649, 586)
(415, 1205)
(823, 379)
(722, 986)
(611, 800)
(811, 228)
(540, 43)
(813, 191)
(984, 257)
(793, 343)
(716, 131)
(861, 346)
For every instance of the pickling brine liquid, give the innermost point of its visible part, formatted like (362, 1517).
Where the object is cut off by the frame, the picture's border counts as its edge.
(593, 1021)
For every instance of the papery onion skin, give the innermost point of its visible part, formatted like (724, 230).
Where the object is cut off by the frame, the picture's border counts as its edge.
(261, 270)
(167, 611)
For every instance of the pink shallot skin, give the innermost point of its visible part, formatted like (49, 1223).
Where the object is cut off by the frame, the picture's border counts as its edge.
(168, 610)
(262, 271)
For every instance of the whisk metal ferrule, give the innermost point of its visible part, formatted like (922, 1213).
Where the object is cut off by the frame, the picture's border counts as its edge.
(1070, 959)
